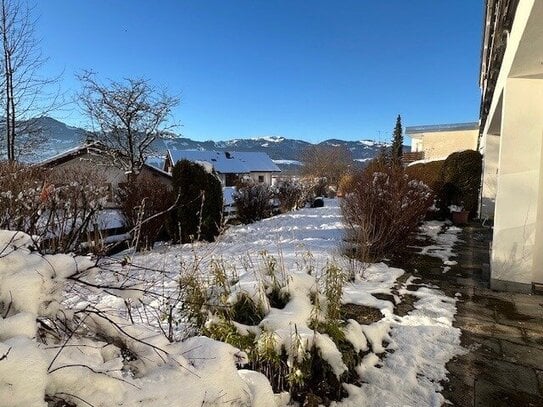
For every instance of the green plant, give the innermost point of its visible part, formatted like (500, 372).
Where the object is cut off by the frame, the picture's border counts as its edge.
(224, 331)
(278, 297)
(266, 358)
(198, 214)
(297, 361)
(291, 195)
(246, 311)
(460, 178)
(429, 173)
(195, 299)
(220, 284)
(334, 281)
(397, 140)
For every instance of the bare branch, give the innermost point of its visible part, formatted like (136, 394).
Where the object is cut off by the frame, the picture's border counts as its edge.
(129, 115)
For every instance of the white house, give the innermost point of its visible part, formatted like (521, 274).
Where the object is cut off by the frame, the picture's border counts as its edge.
(229, 165)
(511, 80)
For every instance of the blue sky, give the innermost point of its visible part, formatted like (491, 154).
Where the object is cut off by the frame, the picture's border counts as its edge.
(309, 70)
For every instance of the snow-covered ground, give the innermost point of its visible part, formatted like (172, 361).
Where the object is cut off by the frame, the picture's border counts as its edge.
(406, 355)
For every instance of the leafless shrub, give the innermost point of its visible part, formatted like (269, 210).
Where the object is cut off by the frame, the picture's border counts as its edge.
(21, 188)
(253, 202)
(326, 161)
(72, 202)
(383, 209)
(291, 194)
(58, 209)
(141, 198)
(346, 184)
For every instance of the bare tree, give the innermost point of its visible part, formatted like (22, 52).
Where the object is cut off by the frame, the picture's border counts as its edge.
(130, 115)
(25, 94)
(325, 161)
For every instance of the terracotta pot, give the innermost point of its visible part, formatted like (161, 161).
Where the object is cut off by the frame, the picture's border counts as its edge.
(460, 218)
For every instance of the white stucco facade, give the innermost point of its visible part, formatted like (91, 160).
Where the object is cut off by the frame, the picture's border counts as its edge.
(511, 141)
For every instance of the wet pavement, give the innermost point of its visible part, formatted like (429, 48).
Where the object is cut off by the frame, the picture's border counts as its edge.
(502, 331)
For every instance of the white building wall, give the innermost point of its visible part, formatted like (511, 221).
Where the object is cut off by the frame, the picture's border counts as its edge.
(518, 184)
(516, 114)
(262, 177)
(490, 151)
(537, 266)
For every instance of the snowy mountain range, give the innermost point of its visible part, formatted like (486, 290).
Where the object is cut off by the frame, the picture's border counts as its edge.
(285, 152)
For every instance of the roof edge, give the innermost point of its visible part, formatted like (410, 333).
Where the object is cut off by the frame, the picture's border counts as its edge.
(441, 127)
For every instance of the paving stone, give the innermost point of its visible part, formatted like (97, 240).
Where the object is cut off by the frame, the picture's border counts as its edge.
(469, 309)
(539, 374)
(508, 333)
(522, 354)
(503, 332)
(474, 325)
(511, 376)
(484, 344)
(534, 339)
(464, 371)
(534, 325)
(488, 394)
(458, 393)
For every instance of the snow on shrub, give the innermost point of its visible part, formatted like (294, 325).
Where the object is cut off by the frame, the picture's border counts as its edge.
(385, 206)
(289, 324)
(87, 355)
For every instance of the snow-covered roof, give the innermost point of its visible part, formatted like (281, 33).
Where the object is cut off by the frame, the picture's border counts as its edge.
(228, 162)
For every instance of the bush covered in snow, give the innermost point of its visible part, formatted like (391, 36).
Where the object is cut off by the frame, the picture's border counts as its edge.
(198, 213)
(253, 201)
(53, 353)
(144, 202)
(385, 206)
(291, 325)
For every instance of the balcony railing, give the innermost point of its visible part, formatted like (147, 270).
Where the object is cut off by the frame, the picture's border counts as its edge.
(409, 157)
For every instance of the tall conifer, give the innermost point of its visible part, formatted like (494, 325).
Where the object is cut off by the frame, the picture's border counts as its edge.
(397, 140)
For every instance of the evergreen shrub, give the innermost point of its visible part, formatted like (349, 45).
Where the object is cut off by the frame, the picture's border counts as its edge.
(198, 213)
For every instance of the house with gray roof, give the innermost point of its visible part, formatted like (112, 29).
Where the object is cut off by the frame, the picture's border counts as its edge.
(229, 165)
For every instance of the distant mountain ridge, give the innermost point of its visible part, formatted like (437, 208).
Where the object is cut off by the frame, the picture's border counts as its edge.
(61, 137)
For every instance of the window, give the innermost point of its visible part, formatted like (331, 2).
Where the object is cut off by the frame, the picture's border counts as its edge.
(261, 178)
(231, 180)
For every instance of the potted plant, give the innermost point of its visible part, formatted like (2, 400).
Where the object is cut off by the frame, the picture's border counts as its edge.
(459, 215)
